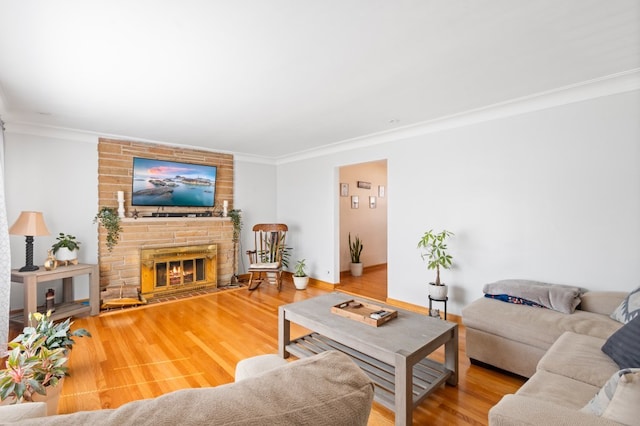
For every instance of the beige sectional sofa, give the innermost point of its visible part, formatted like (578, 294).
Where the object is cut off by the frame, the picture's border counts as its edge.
(325, 389)
(562, 355)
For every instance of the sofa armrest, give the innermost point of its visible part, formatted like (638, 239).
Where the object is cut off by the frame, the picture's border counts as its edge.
(601, 302)
(522, 411)
(10, 413)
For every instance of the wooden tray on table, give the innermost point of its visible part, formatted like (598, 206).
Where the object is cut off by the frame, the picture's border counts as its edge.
(361, 311)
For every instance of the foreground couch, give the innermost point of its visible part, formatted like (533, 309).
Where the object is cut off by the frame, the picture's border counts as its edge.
(326, 389)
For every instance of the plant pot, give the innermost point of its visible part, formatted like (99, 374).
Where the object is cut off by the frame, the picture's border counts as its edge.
(356, 269)
(51, 398)
(438, 292)
(64, 254)
(301, 282)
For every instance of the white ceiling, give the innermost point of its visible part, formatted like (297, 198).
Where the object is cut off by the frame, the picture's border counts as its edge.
(277, 77)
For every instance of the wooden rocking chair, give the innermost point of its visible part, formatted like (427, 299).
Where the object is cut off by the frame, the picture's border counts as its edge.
(265, 260)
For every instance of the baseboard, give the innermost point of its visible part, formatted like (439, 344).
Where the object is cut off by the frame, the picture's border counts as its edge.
(314, 282)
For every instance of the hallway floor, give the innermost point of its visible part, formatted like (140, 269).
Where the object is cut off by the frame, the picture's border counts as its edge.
(372, 283)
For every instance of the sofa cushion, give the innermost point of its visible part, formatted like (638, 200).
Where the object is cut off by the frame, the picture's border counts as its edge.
(623, 346)
(601, 302)
(533, 326)
(618, 398)
(579, 357)
(558, 389)
(629, 308)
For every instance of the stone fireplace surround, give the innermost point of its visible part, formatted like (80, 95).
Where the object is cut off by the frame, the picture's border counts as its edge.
(122, 265)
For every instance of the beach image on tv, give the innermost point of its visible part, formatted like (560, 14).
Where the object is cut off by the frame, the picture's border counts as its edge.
(170, 183)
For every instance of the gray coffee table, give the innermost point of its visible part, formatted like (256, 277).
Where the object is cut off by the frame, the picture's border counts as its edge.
(393, 355)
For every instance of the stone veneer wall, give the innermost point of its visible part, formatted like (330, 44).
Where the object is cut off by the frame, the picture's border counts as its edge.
(122, 265)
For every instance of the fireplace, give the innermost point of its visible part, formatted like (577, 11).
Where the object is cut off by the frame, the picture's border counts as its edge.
(165, 270)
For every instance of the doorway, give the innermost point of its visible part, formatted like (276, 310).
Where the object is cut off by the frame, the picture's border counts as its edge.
(363, 213)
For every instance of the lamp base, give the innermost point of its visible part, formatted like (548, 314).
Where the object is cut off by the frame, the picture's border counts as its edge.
(28, 268)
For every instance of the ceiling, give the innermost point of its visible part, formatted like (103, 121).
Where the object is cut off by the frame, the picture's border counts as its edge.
(280, 77)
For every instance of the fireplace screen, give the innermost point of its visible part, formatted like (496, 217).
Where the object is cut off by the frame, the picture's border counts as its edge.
(177, 268)
(180, 272)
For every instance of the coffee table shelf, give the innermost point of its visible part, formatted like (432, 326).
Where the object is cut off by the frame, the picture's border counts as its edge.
(427, 374)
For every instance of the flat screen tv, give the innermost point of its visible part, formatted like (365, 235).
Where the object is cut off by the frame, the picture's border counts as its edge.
(172, 183)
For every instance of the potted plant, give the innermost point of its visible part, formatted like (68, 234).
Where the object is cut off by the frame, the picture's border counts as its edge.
(57, 335)
(355, 249)
(36, 363)
(66, 247)
(236, 220)
(435, 253)
(300, 277)
(109, 218)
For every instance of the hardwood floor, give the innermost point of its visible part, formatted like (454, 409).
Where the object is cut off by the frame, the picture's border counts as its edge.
(144, 352)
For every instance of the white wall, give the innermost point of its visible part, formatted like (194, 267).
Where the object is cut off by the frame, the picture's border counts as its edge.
(255, 195)
(552, 195)
(59, 178)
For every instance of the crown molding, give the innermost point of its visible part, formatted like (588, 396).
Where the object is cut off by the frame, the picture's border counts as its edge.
(599, 87)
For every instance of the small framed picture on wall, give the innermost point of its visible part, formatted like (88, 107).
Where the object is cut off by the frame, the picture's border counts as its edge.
(355, 202)
(344, 189)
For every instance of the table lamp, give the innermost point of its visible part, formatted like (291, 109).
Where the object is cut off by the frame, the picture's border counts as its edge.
(29, 224)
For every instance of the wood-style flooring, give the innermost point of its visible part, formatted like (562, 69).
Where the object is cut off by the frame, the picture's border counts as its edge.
(197, 342)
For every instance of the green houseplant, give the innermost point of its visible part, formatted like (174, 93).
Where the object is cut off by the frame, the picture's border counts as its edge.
(30, 368)
(355, 250)
(300, 277)
(66, 247)
(236, 221)
(109, 218)
(57, 335)
(434, 251)
(37, 360)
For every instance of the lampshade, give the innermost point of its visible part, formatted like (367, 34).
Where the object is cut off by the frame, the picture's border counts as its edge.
(31, 224)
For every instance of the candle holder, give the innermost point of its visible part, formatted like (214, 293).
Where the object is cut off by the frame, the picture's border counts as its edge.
(121, 204)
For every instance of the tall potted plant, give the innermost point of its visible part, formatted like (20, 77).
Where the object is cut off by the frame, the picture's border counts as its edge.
(434, 251)
(300, 277)
(355, 250)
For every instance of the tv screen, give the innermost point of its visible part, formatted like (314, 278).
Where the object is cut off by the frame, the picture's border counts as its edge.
(172, 183)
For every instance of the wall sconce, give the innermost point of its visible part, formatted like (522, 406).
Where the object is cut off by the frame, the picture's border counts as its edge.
(29, 224)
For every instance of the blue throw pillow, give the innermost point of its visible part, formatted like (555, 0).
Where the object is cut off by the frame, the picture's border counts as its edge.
(623, 346)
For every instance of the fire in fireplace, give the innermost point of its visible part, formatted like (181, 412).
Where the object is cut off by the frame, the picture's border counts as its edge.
(174, 269)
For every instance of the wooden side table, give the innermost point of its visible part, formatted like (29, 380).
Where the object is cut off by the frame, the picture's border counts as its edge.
(69, 307)
(439, 300)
